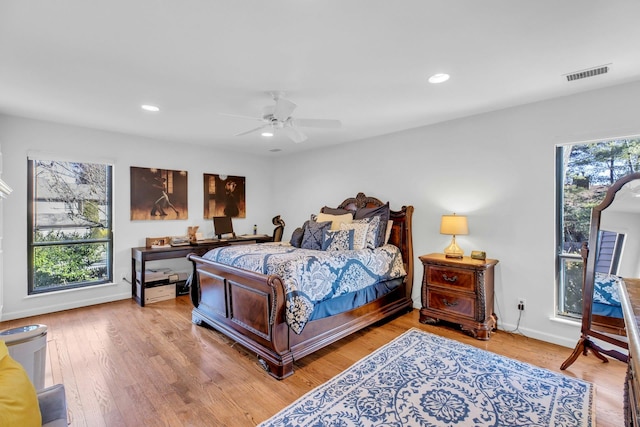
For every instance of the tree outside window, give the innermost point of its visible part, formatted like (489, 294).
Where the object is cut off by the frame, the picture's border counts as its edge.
(584, 174)
(70, 217)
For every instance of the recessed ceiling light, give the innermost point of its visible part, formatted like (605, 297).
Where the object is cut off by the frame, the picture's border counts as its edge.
(267, 133)
(439, 78)
(152, 108)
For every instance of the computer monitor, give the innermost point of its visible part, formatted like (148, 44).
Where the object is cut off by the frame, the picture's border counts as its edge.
(222, 225)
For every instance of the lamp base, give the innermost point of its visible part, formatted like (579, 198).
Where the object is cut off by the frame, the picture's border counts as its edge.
(453, 250)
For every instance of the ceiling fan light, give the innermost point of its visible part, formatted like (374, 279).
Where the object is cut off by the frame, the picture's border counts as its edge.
(151, 108)
(439, 78)
(267, 133)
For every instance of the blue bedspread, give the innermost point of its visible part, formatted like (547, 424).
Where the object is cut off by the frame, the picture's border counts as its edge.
(606, 301)
(312, 276)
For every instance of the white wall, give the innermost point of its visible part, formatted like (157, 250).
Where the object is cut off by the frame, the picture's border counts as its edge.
(497, 168)
(19, 136)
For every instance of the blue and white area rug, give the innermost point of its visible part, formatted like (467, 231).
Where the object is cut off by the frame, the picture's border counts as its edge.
(421, 379)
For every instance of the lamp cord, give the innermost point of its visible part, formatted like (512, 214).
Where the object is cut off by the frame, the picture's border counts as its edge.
(517, 328)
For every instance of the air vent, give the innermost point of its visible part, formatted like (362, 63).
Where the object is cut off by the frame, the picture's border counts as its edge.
(588, 73)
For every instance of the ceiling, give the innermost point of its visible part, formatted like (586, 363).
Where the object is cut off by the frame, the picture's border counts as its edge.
(365, 62)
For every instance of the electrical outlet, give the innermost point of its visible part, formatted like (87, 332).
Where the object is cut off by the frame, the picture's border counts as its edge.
(521, 303)
(123, 274)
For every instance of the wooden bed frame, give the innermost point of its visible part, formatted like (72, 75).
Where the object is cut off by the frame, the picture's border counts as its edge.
(249, 307)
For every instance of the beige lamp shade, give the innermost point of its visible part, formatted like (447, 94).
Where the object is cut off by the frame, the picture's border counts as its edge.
(454, 225)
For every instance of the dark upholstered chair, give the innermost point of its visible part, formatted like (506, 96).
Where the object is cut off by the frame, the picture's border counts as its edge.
(279, 230)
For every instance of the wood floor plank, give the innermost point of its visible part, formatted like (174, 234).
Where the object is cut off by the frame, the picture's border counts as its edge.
(124, 365)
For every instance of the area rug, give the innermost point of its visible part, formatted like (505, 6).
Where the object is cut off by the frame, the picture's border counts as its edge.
(421, 379)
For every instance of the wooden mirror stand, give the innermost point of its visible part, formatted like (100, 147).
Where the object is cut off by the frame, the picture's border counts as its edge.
(600, 328)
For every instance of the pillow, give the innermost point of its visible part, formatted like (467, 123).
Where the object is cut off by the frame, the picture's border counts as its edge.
(313, 232)
(383, 212)
(373, 225)
(336, 220)
(335, 211)
(359, 233)
(388, 233)
(337, 240)
(18, 398)
(296, 237)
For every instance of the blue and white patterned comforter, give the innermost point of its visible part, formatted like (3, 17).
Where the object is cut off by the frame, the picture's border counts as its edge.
(606, 299)
(312, 276)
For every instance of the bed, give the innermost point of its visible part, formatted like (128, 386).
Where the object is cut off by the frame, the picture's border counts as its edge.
(606, 313)
(252, 302)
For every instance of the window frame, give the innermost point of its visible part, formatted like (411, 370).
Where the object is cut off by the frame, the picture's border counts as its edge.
(563, 258)
(32, 246)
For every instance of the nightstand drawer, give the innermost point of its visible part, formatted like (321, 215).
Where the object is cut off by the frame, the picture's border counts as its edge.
(452, 303)
(455, 278)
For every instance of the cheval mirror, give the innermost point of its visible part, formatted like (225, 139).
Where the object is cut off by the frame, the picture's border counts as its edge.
(612, 255)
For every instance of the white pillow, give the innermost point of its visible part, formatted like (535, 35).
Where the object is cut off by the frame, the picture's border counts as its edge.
(388, 232)
(359, 233)
(336, 220)
(372, 231)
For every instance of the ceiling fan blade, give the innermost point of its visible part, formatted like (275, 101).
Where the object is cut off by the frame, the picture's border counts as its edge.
(283, 109)
(294, 134)
(251, 131)
(237, 116)
(316, 123)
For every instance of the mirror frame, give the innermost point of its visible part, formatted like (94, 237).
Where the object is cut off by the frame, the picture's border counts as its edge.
(588, 283)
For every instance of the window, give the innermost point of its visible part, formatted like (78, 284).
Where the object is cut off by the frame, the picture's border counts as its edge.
(70, 239)
(584, 173)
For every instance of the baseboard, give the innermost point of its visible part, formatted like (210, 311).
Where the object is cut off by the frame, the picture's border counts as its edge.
(13, 315)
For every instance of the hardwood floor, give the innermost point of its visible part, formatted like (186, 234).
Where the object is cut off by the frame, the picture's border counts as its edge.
(123, 365)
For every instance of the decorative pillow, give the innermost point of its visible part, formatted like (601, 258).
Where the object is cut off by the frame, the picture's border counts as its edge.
(383, 212)
(359, 233)
(335, 211)
(372, 230)
(296, 237)
(337, 240)
(388, 233)
(313, 232)
(336, 220)
(18, 398)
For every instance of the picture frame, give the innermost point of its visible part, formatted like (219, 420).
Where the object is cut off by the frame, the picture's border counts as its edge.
(158, 194)
(224, 196)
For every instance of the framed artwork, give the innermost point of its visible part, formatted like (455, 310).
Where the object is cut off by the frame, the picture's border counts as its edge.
(158, 194)
(224, 196)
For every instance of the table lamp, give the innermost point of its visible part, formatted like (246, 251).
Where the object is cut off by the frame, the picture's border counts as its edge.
(453, 225)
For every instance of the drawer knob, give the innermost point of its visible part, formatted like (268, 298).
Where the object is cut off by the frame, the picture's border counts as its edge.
(449, 304)
(449, 279)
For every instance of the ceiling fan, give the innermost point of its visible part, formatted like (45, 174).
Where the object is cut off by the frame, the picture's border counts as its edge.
(277, 118)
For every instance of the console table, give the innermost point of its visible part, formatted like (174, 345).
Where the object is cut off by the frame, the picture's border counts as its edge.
(140, 256)
(630, 301)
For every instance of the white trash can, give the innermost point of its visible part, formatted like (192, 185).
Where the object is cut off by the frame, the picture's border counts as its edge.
(28, 346)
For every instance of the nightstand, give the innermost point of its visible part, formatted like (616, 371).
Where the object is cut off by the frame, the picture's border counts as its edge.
(459, 291)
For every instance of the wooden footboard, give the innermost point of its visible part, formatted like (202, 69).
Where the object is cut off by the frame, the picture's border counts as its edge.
(249, 307)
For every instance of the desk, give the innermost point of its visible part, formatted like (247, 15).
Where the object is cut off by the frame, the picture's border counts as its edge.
(140, 256)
